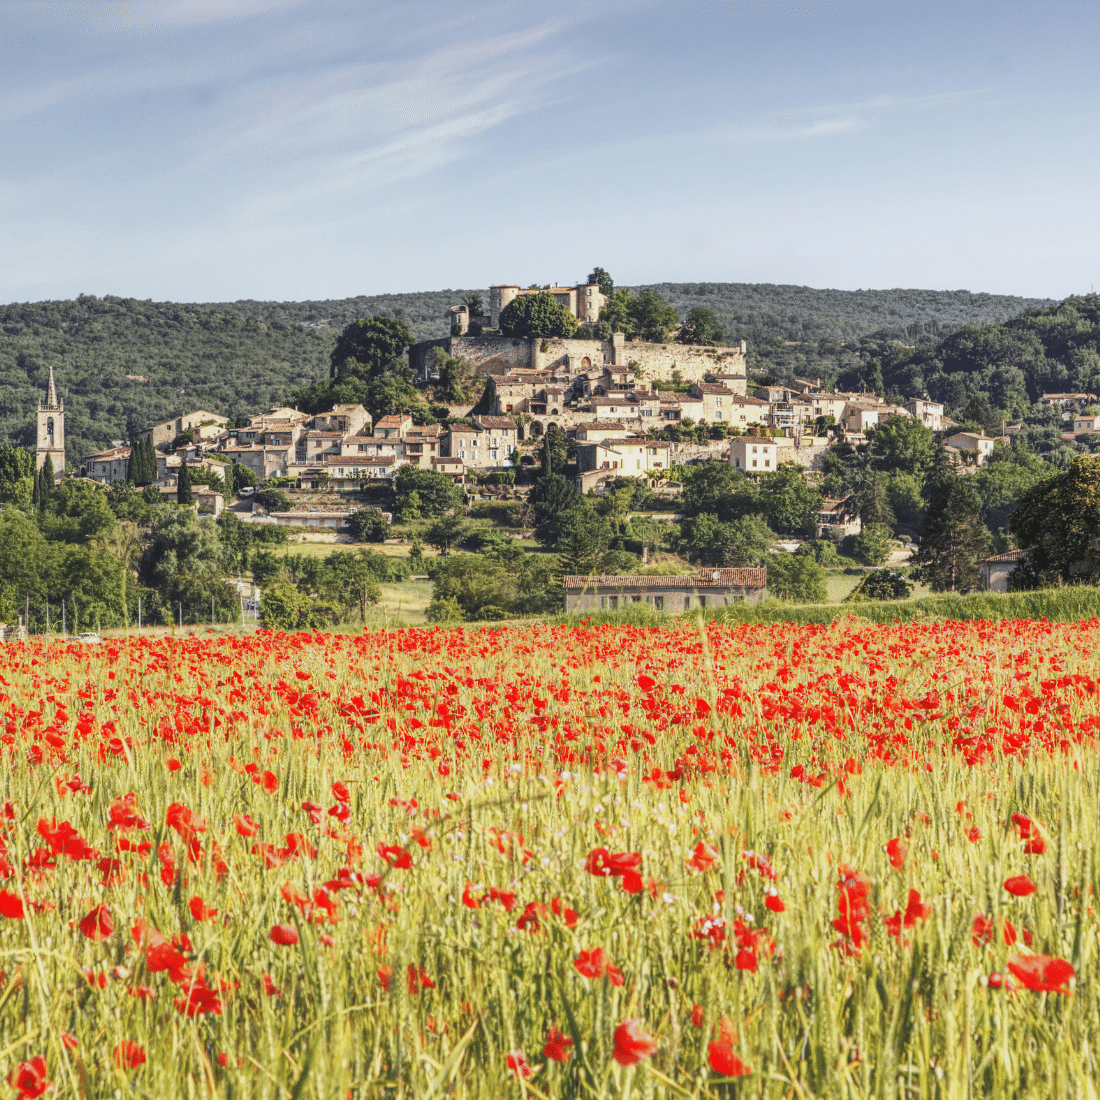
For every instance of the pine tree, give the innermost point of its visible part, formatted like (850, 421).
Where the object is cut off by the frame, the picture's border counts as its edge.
(954, 536)
(183, 486)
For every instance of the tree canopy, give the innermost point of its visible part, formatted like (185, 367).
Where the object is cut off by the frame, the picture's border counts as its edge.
(367, 349)
(536, 315)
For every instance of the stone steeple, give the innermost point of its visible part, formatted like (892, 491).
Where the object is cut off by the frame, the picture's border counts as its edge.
(51, 430)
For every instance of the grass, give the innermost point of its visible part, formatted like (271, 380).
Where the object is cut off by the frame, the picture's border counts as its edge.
(426, 810)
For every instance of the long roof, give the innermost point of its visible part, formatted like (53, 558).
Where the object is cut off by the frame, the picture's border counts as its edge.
(756, 577)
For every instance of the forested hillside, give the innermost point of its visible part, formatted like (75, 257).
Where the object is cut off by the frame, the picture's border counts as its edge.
(1009, 365)
(122, 364)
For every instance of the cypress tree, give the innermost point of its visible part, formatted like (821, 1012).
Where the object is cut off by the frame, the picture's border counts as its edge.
(954, 537)
(46, 486)
(183, 486)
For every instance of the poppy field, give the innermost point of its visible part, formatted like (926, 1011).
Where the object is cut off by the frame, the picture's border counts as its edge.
(849, 860)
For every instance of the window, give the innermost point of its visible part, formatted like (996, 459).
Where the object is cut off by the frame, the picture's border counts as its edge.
(702, 601)
(754, 452)
(687, 603)
(717, 414)
(754, 463)
(658, 603)
(613, 602)
(767, 461)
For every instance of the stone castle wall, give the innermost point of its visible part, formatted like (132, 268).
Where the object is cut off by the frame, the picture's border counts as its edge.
(658, 362)
(651, 362)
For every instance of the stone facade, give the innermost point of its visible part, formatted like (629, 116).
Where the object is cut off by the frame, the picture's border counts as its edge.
(707, 589)
(753, 454)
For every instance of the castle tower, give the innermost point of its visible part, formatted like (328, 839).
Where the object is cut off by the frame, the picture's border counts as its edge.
(51, 430)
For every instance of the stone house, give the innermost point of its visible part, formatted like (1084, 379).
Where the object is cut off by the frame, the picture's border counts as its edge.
(627, 457)
(838, 515)
(605, 429)
(487, 443)
(347, 472)
(754, 454)
(1086, 423)
(929, 413)
(707, 589)
(393, 426)
(201, 424)
(345, 419)
(971, 441)
(996, 570)
(312, 445)
(860, 415)
(108, 466)
(450, 467)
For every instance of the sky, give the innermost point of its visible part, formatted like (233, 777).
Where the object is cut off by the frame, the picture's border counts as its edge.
(214, 150)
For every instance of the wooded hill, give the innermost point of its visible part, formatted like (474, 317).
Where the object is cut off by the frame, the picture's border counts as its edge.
(122, 364)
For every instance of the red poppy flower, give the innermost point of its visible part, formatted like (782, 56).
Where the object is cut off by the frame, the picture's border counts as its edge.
(270, 988)
(1042, 973)
(245, 825)
(394, 855)
(200, 910)
(385, 977)
(417, 979)
(774, 902)
(561, 910)
(1020, 886)
(703, 857)
(128, 1055)
(724, 1061)
(896, 849)
(632, 1044)
(97, 925)
(69, 1041)
(11, 905)
(29, 1078)
(517, 1063)
(557, 1046)
(284, 934)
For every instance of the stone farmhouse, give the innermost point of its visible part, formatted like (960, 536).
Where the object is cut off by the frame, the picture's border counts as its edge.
(707, 589)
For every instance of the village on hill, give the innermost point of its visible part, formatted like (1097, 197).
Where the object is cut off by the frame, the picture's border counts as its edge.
(556, 389)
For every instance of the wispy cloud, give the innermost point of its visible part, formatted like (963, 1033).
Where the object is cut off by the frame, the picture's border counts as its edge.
(148, 15)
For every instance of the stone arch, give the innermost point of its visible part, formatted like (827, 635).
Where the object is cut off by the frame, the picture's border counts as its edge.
(553, 412)
(536, 429)
(586, 363)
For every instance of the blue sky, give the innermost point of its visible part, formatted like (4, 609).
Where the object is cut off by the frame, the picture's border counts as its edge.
(209, 150)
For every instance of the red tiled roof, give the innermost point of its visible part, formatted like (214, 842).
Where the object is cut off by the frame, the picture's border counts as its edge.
(716, 578)
(1011, 555)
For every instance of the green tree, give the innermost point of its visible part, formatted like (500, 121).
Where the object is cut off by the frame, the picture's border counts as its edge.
(77, 512)
(368, 349)
(16, 475)
(787, 503)
(555, 451)
(350, 582)
(744, 541)
(272, 500)
(183, 485)
(654, 319)
(184, 561)
(718, 488)
(871, 545)
(882, 584)
(446, 533)
(900, 443)
(701, 327)
(607, 284)
(553, 499)
(953, 538)
(281, 608)
(797, 578)
(536, 315)
(436, 493)
(368, 525)
(1057, 522)
(44, 483)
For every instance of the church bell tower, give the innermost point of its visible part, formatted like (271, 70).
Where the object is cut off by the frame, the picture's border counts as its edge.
(51, 430)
